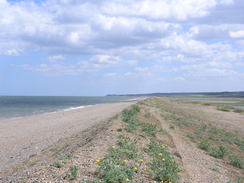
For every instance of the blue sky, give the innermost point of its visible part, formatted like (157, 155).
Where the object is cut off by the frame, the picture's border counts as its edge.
(97, 47)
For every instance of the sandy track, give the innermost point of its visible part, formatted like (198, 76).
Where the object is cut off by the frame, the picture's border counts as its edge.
(24, 137)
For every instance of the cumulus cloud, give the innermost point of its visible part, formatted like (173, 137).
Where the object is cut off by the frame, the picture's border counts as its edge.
(108, 33)
(91, 26)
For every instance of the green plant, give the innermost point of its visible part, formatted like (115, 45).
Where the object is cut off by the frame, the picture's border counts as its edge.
(236, 162)
(111, 171)
(214, 169)
(72, 175)
(128, 115)
(218, 152)
(162, 166)
(67, 156)
(131, 127)
(149, 129)
(203, 127)
(127, 148)
(113, 167)
(119, 130)
(164, 170)
(204, 145)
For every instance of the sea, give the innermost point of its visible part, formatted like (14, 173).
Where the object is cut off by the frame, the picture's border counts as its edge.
(20, 106)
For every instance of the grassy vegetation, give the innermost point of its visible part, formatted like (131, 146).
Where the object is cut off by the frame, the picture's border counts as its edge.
(72, 174)
(237, 162)
(129, 161)
(163, 167)
(217, 142)
(113, 167)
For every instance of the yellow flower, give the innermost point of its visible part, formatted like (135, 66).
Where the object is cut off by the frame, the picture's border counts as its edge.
(163, 159)
(160, 154)
(127, 180)
(146, 170)
(98, 161)
(140, 160)
(135, 168)
(113, 147)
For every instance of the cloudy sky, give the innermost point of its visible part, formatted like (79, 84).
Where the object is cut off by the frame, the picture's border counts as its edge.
(96, 47)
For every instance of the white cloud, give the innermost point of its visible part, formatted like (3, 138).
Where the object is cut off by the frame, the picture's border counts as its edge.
(152, 34)
(73, 27)
(93, 64)
(237, 34)
(105, 59)
(159, 9)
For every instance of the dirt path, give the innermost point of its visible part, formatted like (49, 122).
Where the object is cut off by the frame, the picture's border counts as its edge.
(25, 137)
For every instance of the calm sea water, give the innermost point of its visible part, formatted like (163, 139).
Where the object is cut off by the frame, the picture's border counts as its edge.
(19, 106)
(239, 107)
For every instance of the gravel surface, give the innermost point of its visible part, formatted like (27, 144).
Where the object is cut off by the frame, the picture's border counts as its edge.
(25, 137)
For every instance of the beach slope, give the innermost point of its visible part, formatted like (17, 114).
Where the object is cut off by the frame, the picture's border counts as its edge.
(24, 137)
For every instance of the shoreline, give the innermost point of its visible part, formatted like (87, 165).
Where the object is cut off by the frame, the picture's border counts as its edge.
(53, 112)
(23, 137)
(70, 108)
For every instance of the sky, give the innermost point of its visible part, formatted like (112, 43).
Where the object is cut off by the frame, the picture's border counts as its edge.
(99, 47)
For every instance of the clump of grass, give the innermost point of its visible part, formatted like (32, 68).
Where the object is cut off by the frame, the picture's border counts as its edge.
(111, 171)
(127, 147)
(128, 115)
(67, 156)
(218, 152)
(149, 129)
(113, 167)
(162, 166)
(119, 130)
(236, 162)
(204, 145)
(214, 169)
(72, 174)
(203, 126)
(131, 127)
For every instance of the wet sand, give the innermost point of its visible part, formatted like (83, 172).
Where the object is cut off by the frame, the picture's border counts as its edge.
(23, 137)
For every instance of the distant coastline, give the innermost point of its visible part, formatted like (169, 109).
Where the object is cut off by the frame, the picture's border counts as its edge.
(214, 94)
